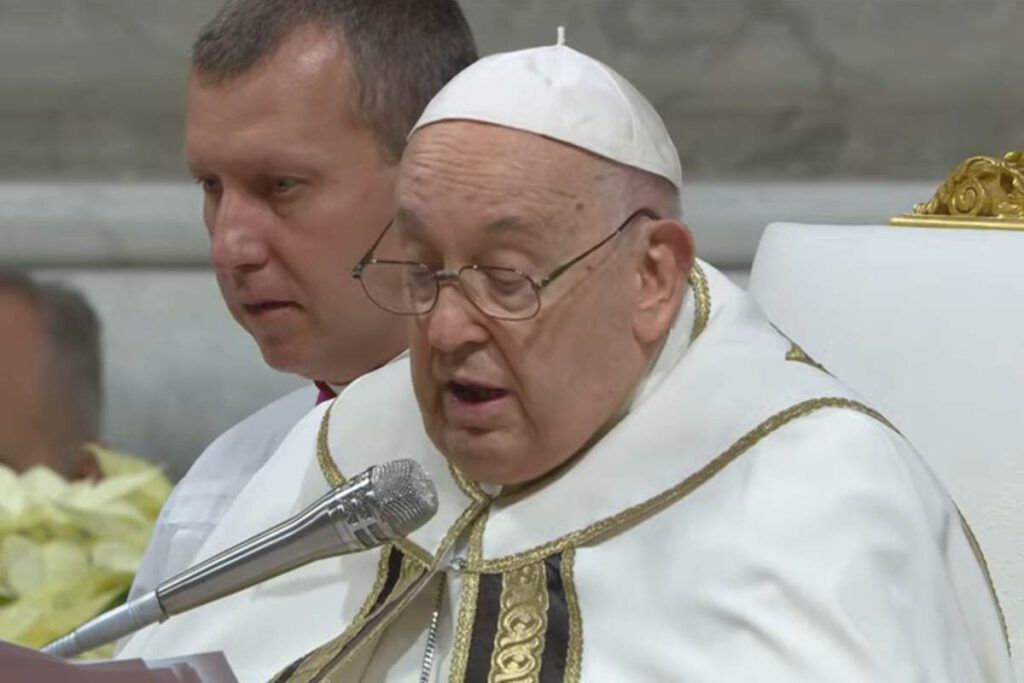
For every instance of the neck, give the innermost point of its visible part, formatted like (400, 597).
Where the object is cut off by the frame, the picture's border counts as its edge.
(340, 377)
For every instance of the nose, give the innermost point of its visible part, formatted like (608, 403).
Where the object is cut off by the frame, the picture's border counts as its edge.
(237, 233)
(454, 322)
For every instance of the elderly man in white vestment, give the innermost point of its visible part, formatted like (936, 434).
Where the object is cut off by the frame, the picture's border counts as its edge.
(639, 478)
(297, 115)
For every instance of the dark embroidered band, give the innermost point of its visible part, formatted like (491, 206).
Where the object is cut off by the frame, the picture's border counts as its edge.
(556, 642)
(525, 625)
(485, 625)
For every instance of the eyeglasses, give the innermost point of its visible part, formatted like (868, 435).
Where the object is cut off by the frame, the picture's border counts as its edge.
(412, 288)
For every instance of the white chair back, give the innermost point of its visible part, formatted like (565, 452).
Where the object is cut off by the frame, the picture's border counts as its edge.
(928, 326)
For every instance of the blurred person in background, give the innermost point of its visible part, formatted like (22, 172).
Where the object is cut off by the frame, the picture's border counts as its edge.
(51, 393)
(297, 113)
(75, 516)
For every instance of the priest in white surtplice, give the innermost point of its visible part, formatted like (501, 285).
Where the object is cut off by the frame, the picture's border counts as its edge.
(639, 478)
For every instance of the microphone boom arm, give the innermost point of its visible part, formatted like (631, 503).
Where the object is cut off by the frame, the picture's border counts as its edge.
(347, 519)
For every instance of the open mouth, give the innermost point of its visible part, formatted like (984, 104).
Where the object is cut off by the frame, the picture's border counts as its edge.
(267, 306)
(475, 393)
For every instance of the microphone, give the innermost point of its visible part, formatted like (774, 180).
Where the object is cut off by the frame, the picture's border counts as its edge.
(382, 504)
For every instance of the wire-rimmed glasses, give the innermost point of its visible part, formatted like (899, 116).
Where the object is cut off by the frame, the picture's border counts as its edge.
(412, 288)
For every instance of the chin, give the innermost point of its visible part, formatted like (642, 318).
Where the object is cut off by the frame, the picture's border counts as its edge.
(488, 463)
(286, 358)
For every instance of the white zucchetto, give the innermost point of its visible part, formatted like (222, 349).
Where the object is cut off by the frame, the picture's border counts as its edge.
(564, 95)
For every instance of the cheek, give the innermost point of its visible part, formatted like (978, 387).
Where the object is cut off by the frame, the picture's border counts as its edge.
(550, 397)
(225, 283)
(324, 240)
(318, 261)
(423, 383)
(574, 374)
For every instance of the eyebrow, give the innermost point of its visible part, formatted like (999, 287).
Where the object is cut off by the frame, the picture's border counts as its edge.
(266, 160)
(507, 222)
(195, 170)
(407, 220)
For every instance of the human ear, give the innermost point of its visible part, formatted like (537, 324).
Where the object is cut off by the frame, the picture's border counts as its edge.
(662, 271)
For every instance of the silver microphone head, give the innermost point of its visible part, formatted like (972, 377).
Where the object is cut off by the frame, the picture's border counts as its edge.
(404, 494)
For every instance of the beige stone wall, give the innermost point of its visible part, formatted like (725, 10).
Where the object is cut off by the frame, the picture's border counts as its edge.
(752, 89)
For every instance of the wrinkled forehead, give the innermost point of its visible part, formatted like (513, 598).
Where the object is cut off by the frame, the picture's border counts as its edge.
(470, 173)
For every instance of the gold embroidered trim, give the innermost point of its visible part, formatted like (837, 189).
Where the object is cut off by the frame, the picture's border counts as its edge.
(415, 552)
(972, 540)
(407, 573)
(468, 487)
(320, 657)
(702, 295)
(574, 656)
(414, 574)
(522, 625)
(467, 604)
(398, 596)
(378, 583)
(468, 516)
(641, 510)
(329, 470)
(798, 355)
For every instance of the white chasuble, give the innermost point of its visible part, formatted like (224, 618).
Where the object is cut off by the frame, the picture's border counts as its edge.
(748, 519)
(200, 500)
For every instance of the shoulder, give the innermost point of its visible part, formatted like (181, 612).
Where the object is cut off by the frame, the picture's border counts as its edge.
(200, 499)
(247, 445)
(847, 477)
(848, 535)
(848, 443)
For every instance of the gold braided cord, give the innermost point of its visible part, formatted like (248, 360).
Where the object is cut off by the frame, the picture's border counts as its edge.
(797, 354)
(972, 540)
(574, 656)
(402, 600)
(468, 516)
(335, 671)
(408, 572)
(467, 604)
(414, 552)
(702, 295)
(329, 470)
(634, 514)
(468, 487)
(321, 656)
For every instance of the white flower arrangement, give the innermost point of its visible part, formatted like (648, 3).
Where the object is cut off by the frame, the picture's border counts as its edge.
(69, 550)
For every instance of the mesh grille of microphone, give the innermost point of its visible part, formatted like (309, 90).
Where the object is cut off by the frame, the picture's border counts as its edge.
(405, 495)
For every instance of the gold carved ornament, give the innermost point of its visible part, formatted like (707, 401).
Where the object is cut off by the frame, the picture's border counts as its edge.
(983, 192)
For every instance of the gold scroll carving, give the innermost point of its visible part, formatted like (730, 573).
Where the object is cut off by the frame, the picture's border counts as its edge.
(983, 192)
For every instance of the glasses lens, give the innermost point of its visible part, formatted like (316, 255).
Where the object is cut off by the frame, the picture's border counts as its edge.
(500, 292)
(404, 288)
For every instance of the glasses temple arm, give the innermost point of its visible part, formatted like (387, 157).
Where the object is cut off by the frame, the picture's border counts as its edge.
(557, 272)
(368, 256)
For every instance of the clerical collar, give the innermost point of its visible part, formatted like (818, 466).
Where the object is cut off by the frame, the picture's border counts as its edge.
(327, 391)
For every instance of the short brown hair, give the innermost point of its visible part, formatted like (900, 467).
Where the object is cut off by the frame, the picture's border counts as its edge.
(402, 52)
